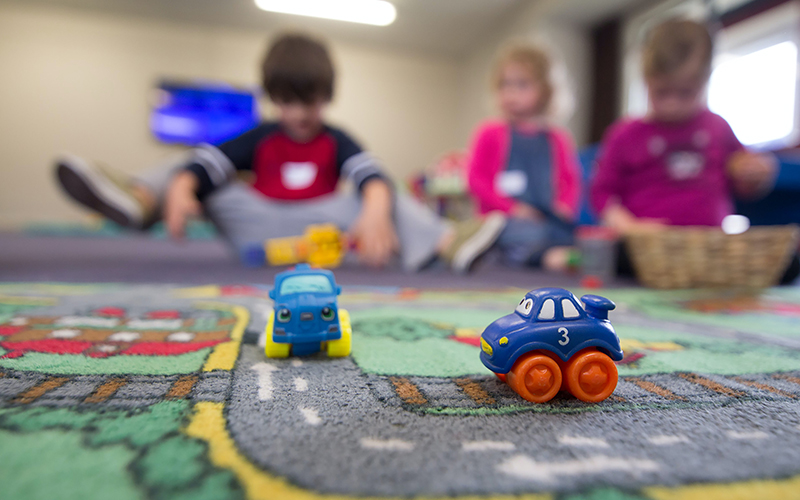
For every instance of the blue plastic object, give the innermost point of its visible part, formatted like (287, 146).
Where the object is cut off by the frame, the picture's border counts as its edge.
(197, 113)
(587, 157)
(597, 307)
(253, 255)
(306, 310)
(535, 326)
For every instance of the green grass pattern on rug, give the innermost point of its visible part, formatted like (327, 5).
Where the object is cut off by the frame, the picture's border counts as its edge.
(71, 453)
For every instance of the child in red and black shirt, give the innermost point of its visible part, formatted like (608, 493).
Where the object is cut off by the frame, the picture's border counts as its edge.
(297, 163)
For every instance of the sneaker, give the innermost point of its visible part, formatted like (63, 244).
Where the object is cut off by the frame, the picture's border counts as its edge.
(105, 192)
(474, 238)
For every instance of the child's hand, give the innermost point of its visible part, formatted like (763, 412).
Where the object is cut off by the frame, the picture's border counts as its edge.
(374, 230)
(181, 203)
(376, 239)
(624, 222)
(752, 175)
(524, 211)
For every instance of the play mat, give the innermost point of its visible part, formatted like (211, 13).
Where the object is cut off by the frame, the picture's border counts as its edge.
(132, 392)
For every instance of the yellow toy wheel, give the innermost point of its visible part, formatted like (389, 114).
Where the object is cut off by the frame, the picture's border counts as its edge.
(341, 347)
(275, 349)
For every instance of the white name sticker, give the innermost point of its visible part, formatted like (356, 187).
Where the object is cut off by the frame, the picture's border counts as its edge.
(298, 175)
(511, 183)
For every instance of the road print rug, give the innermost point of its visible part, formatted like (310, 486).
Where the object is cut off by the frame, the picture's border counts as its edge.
(133, 392)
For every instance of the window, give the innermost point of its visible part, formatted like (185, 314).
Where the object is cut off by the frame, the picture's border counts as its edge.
(525, 306)
(753, 84)
(308, 283)
(548, 310)
(754, 80)
(569, 309)
(755, 93)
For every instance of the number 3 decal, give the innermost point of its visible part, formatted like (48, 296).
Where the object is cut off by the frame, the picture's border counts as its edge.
(564, 333)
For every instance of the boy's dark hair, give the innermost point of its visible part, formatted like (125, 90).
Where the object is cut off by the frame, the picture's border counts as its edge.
(297, 68)
(675, 43)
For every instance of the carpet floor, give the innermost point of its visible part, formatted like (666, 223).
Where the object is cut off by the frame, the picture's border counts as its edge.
(152, 390)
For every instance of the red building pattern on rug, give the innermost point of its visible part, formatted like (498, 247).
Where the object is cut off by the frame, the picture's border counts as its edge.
(108, 331)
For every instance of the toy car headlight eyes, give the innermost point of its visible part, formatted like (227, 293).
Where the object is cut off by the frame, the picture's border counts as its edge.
(327, 313)
(284, 315)
(525, 306)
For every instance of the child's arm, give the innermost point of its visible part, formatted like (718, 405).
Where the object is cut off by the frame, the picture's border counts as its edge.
(374, 229)
(607, 186)
(623, 221)
(210, 169)
(216, 166)
(181, 203)
(752, 175)
(485, 160)
(568, 174)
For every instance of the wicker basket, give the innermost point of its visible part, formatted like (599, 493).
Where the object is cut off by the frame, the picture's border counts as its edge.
(693, 257)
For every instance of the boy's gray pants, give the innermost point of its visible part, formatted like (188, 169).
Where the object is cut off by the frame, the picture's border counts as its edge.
(245, 217)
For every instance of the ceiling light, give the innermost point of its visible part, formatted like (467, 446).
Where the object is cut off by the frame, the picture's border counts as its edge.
(376, 12)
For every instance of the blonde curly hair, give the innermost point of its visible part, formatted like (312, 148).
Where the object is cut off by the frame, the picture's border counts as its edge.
(533, 59)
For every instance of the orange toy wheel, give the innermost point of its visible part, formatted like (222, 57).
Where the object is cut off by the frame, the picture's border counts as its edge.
(536, 377)
(501, 376)
(591, 376)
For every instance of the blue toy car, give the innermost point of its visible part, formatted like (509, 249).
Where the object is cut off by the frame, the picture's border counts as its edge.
(306, 319)
(551, 343)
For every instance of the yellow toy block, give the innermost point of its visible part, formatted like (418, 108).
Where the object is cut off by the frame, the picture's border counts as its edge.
(321, 245)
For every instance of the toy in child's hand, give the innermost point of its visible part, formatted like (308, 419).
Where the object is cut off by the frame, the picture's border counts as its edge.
(551, 343)
(321, 245)
(306, 318)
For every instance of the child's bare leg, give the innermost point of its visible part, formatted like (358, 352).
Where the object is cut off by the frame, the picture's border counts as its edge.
(145, 196)
(542, 243)
(557, 259)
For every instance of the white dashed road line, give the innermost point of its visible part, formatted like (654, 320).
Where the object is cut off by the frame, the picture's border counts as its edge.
(300, 384)
(664, 440)
(387, 444)
(747, 435)
(265, 387)
(311, 416)
(582, 441)
(65, 333)
(487, 446)
(524, 467)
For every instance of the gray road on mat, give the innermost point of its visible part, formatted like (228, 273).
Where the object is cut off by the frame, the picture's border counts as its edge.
(326, 426)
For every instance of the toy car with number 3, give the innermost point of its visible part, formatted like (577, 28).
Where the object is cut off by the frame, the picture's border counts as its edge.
(306, 318)
(550, 343)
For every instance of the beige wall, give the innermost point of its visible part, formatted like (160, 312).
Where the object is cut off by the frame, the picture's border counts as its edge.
(79, 82)
(569, 44)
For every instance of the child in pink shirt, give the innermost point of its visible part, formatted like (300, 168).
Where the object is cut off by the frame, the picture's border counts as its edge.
(524, 167)
(681, 164)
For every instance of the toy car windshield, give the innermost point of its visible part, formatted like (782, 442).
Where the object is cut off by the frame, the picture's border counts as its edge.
(306, 284)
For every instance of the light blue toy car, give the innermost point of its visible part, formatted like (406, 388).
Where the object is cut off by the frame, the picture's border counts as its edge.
(551, 343)
(306, 318)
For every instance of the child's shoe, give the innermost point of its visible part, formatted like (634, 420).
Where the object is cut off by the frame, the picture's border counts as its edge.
(473, 238)
(103, 191)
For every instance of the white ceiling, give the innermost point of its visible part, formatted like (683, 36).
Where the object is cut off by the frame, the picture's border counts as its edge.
(440, 27)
